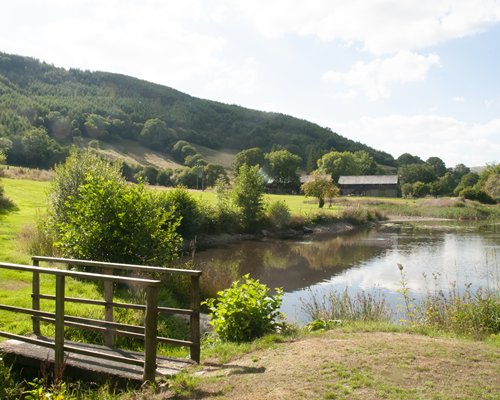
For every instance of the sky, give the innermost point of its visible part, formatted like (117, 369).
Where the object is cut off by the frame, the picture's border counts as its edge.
(416, 76)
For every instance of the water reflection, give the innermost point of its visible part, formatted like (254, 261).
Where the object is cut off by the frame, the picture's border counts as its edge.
(362, 260)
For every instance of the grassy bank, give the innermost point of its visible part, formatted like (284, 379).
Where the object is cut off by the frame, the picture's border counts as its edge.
(360, 361)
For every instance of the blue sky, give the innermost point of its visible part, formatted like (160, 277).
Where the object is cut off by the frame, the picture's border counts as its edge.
(401, 76)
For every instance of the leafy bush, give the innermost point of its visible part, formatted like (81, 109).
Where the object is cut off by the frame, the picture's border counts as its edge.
(111, 221)
(245, 311)
(10, 389)
(279, 214)
(472, 193)
(186, 208)
(248, 194)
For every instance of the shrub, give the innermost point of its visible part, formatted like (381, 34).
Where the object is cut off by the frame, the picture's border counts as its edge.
(245, 311)
(279, 214)
(248, 194)
(186, 208)
(111, 221)
(472, 193)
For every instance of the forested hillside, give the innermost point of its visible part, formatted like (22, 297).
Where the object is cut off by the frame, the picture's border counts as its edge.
(44, 109)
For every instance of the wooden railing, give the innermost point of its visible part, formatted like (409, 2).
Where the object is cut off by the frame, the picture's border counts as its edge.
(148, 333)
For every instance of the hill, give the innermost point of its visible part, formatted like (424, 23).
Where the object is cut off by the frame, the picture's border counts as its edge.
(44, 109)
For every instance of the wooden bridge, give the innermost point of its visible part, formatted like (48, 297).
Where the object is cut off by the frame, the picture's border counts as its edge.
(76, 355)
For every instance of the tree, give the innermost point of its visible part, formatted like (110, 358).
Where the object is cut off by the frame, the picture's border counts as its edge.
(466, 181)
(248, 194)
(346, 163)
(97, 216)
(251, 157)
(407, 158)
(214, 172)
(489, 181)
(438, 165)
(155, 134)
(320, 185)
(282, 167)
(411, 173)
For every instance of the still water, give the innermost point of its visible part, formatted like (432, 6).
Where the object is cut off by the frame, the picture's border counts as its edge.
(434, 255)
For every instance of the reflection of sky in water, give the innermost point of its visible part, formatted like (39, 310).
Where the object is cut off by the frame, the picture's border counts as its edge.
(444, 257)
(361, 260)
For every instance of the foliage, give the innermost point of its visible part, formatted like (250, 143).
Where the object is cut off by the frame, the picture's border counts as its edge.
(407, 159)
(10, 389)
(489, 181)
(278, 213)
(472, 193)
(411, 173)
(111, 221)
(71, 104)
(248, 194)
(282, 167)
(438, 165)
(94, 214)
(245, 311)
(320, 185)
(70, 176)
(251, 157)
(186, 209)
(466, 181)
(321, 324)
(347, 163)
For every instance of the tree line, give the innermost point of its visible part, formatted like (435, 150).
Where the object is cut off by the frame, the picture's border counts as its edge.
(44, 110)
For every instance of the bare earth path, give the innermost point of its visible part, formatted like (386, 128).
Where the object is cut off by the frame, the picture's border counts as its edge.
(338, 365)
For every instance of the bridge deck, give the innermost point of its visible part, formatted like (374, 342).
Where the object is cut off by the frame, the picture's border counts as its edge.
(31, 358)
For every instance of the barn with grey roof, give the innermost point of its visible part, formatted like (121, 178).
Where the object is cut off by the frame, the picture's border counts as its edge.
(369, 185)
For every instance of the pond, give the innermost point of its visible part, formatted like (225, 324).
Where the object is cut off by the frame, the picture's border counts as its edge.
(442, 255)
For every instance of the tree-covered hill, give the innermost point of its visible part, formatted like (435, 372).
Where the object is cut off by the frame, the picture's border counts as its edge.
(44, 109)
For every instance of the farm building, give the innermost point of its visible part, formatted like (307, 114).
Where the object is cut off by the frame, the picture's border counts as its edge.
(369, 185)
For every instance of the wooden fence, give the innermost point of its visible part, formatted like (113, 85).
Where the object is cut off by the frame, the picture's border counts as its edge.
(110, 329)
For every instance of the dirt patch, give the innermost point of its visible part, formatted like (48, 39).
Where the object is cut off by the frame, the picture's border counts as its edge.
(338, 365)
(7, 284)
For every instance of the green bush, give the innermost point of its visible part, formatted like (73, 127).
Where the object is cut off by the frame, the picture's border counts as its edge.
(472, 193)
(111, 221)
(186, 208)
(279, 214)
(248, 194)
(245, 311)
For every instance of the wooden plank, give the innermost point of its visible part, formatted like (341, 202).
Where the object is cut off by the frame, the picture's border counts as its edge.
(35, 299)
(133, 267)
(150, 333)
(59, 331)
(109, 337)
(165, 310)
(194, 325)
(81, 275)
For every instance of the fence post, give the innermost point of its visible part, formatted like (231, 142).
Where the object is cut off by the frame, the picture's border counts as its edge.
(35, 298)
(195, 318)
(59, 328)
(150, 334)
(109, 336)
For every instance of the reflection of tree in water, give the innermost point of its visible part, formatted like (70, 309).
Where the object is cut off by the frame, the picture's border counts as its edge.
(288, 264)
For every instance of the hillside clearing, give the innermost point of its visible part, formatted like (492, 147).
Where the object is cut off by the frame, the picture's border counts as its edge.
(360, 365)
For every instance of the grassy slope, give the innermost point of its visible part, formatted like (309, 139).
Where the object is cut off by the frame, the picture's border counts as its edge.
(357, 365)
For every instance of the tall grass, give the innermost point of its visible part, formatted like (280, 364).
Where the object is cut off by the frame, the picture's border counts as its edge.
(467, 312)
(343, 306)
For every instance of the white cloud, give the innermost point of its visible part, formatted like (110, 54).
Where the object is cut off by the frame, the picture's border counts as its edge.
(376, 77)
(382, 26)
(427, 135)
(458, 99)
